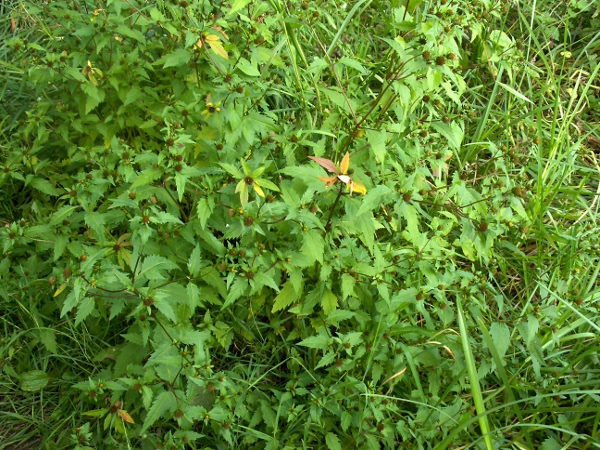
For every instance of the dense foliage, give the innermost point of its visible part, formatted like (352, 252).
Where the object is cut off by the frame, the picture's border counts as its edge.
(299, 225)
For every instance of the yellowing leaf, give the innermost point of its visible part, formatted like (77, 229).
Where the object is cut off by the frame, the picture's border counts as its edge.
(345, 164)
(211, 38)
(218, 48)
(259, 190)
(59, 290)
(357, 187)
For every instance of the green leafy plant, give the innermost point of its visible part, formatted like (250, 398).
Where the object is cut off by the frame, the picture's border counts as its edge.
(176, 274)
(249, 178)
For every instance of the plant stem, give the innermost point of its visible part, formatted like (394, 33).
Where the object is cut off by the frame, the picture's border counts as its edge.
(337, 199)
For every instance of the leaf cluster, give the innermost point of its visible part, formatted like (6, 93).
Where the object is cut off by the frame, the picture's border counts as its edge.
(164, 213)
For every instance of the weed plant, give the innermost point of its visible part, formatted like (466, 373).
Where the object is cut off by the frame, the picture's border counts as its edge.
(281, 225)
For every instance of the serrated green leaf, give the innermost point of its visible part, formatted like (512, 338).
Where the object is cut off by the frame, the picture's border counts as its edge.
(145, 178)
(242, 188)
(44, 186)
(289, 195)
(193, 295)
(155, 267)
(48, 338)
(164, 306)
(157, 16)
(164, 217)
(132, 96)
(246, 168)
(95, 221)
(131, 33)
(326, 360)
(333, 442)
(194, 261)
(354, 338)
(285, 298)
(297, 279)
(69, 303)
(533, 325)
(223, 333)
(95, 412)
(320, 342)
(367, 226)
(237, 5)
(551, 444)
(329, 302)
(409, 213)
(348, 282)
(232, 170)
(346, 420)
(146, 397)
(237, 289)
(38, 231)
(267, 280)
(247, 68)
(204, 209)
(338, 98)
(501, 337)
(180, 181)
(269, 415)
(354, 64)
(85, 308)
(373, 199)
(165, 355)
(214, 245)
(179, 57)
(313, 245)
(94, 96)
(452, 132)
(60, 244)
(165, 401)
(62, 214)
(339, 315)
(377, 140)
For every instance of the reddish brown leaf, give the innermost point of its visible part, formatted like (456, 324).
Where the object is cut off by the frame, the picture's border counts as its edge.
(327, 164)
(328, 181)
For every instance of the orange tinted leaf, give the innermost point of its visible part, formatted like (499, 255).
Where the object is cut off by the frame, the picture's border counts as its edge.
(125, 416)
(327, 164)
(211, 38)
(329, 181)
(345, 163)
